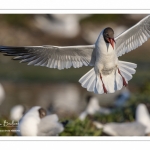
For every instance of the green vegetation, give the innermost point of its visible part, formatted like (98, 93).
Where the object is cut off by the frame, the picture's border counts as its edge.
(81, 128)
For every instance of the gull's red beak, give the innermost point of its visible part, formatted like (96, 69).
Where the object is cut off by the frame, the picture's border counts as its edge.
(111, 41)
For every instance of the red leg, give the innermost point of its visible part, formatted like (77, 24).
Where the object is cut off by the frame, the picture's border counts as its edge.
(124, 81)
(104, 88)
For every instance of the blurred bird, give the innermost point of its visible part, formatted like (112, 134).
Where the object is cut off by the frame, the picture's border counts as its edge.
(124, 129)
(17, 112)
(2, 94)
(66, 26)
(140, 127)
(93, 107)
(66, 100)
(143, 117)
(36, 122)
(108, 73)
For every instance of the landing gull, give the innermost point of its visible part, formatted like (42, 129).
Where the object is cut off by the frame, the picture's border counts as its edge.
(108, 73)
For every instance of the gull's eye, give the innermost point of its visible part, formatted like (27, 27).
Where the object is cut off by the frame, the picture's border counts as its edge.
(107, 34)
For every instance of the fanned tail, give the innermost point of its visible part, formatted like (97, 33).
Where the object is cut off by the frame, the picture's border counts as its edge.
(113, 82)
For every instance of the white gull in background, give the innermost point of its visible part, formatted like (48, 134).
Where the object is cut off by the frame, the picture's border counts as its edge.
(143, 117)
(2, 94)
(17, 112)
(124, 129)
(36, 123)
(93, 107)
(66, 101)
(61, 25)
(140, 127)
(108, 74)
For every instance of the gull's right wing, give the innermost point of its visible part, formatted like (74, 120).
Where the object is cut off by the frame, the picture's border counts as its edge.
(52, 56)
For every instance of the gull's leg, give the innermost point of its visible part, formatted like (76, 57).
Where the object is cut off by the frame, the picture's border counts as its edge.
(123, 79)
(104, 88)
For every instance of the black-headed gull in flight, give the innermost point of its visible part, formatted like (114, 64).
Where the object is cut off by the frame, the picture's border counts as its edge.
(108, 73)
(36, 122)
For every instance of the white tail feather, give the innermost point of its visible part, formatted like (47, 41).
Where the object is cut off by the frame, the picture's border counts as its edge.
(113, 82)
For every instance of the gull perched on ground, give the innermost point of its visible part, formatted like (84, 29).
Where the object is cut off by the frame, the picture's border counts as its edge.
(108, 73)
(2, 94)
(93, 107)
(36, 123)
(143, 117)
(140, 127)
(124, 129)
(17, 112)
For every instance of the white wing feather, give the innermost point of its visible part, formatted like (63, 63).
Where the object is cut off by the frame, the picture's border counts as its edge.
(52, 56)
(133, 37)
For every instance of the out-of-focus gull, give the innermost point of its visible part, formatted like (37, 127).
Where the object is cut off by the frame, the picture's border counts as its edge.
(36, 123)
(108, 73)
(140, 127)
(17, 112)
(2, 94)
(60, 25)
(124, 129)
(66, 100)
(93, 107)
(143, 117)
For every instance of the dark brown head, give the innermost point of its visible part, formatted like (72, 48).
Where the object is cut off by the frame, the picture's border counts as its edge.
(108, 35)
(42, 112)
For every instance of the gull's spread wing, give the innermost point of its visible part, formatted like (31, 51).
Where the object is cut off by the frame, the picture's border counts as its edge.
(51, 56)
(133, 37)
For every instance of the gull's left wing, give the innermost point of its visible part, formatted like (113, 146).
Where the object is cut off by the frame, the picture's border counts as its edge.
(133, 37)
